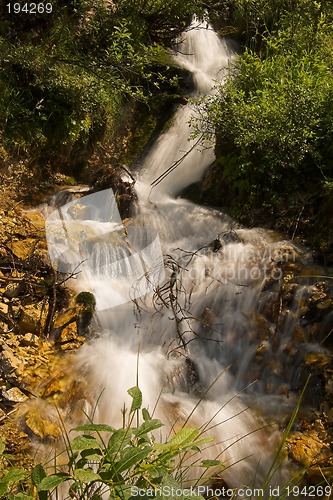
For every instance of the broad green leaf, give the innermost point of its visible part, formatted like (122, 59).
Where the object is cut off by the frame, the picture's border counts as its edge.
(92, 455)
(184, 436)
(14, 475)
(94, 428)
(85, 442)
(132, 457)
(118, 441)
(148, 426)
(211, 463)
(136, 396)
(86, 475)
(51, 482)
(37, 475)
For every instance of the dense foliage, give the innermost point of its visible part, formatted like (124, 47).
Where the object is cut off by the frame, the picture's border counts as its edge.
(68, 76)
(274, 115)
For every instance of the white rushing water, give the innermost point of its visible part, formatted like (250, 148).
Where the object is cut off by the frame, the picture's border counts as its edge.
(201, 325)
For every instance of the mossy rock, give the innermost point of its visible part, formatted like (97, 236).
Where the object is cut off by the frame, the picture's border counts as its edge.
(87, 301)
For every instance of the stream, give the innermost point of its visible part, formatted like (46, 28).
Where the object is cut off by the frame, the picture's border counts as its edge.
(187, 302)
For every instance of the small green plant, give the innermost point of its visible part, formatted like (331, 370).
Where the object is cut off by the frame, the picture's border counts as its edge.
(104, 462)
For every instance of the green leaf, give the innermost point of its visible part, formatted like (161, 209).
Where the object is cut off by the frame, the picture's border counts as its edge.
(14, 475)
(184, 436)
(145, 414)
(148, 426)
(86, 475)
(37, 475)
(85, 442)
(118, 441)
(211, 463)
(136, 396)
(51, 482)
(94, 428)
(92, 455)
(131, 457)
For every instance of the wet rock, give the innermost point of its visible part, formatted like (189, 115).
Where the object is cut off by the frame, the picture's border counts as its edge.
(299, 334)
(285, 253)
(69, 338)
(288, 293)
(317, 359)
(192, 373)
(14, 395)
(65, 318)
(86, 303)
(80, 313)
(307, 448)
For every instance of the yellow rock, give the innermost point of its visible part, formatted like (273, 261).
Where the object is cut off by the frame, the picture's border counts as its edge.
(36, 219)
(307, 449)
(14, 394)
(41, 425)
(30, 319)
(23, 248)
(67, 317)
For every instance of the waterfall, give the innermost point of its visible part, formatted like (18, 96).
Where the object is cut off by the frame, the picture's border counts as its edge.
(202, 324)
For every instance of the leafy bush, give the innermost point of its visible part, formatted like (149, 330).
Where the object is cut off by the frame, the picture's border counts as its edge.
(68, 76)
(273, 117)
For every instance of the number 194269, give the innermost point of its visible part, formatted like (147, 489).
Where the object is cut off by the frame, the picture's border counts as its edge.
(29, 8)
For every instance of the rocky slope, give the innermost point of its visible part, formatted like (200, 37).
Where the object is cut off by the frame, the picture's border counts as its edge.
(40, 329)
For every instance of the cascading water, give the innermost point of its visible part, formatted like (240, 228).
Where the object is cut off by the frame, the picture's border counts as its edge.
(198, 325)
